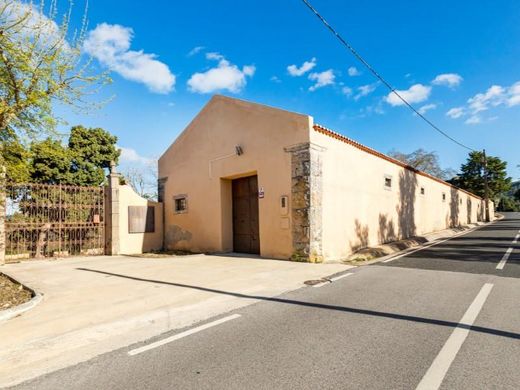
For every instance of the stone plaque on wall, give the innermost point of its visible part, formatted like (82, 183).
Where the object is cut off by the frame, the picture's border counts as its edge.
(141, 219)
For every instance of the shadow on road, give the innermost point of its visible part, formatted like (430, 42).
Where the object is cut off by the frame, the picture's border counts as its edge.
(394, 316)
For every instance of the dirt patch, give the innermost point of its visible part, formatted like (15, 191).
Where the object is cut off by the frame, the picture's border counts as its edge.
(12, 294)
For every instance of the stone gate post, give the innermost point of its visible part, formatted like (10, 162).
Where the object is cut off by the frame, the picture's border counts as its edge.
(112, 246)
(2, 214)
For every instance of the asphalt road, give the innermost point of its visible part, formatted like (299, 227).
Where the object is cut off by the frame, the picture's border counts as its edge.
(443, 317)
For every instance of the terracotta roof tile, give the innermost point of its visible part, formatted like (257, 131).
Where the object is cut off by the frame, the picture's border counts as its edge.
(342, 138)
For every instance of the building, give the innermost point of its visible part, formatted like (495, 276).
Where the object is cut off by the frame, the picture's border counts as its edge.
(249, 178)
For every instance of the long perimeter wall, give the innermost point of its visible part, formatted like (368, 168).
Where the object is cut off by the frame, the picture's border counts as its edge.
(369, 200)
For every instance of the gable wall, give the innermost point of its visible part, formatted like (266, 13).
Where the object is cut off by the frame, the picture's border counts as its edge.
(263, 133)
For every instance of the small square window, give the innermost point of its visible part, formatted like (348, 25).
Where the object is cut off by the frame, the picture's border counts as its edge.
(180, 204)
(444, 197)
(388, 182)
(422, 191)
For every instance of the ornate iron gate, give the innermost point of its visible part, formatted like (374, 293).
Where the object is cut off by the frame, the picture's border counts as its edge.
(54, 221)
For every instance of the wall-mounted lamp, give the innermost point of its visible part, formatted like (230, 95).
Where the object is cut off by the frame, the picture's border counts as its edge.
(238, 152)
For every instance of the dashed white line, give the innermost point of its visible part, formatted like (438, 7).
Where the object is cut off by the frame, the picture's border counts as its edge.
(517, 237)
(182, 334)
(321, 284)
(502, 262)
(435, 375)
(330, 280)
(340, 276)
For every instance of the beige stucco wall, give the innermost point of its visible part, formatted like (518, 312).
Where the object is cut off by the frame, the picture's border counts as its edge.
(358, 210)
(134, 243)
(263, 133)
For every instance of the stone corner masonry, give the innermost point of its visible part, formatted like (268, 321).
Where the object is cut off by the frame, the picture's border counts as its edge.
(306, 191)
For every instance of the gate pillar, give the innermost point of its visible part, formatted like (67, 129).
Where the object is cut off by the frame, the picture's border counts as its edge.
(112, 246)
(2, 215)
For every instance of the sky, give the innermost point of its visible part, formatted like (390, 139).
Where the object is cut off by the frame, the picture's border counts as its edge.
(458, 62)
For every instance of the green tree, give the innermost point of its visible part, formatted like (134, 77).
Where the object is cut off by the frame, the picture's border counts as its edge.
(517, 195)
(50, 162)
(508, 203)
(91, 151)
(81, 162)
(40, 65)
(16, 160)
(471, 177)
(424, 161)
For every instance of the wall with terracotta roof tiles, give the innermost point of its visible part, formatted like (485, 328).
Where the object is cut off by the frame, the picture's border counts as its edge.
(369, 198)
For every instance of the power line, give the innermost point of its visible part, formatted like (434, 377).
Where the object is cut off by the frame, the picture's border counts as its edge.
(378, 76)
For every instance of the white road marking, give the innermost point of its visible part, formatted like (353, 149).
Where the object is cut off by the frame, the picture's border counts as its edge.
(515, 241)
(440, 366)
(321, 284)
(340, 276)
(429, 245)
(182, 334)
(502, 262)
(330, 280)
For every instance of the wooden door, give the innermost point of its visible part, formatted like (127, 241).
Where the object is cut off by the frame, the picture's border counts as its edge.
(245, 215)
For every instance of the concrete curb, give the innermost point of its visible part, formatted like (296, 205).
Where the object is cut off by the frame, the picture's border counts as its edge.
(18, 310)
(439, 238)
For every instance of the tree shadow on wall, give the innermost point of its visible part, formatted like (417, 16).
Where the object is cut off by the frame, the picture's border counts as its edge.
(387, 232)
(454, 207)
(361, 237)
(469, 209)
(406, 207)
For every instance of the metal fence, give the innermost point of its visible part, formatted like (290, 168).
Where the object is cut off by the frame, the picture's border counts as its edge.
(45, 220)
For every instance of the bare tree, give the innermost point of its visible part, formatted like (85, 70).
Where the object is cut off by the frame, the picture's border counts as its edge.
(424, 161)
(143, 179)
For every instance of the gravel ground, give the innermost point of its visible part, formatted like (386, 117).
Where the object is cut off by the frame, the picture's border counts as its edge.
(12, 294)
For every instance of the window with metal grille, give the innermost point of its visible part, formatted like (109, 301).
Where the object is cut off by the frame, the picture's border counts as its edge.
(180, 204)
(388, 182)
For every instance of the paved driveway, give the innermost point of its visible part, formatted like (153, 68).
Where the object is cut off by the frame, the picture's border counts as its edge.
(94, 305)
(441, 320)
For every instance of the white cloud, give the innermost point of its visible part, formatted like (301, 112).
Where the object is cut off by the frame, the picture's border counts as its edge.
(353, 71)
(322, 79)
(275, 79)
(346, 91)
(225, 76)
(195, 50)
(110, 45)
(455, 112)
(34, 25)
(494, 96)
(365, 90)
(448, 79)
(304, 68)
(214, 56)
(514, 95)
(473, 120)
(415, 94)
(130, 156)
(427, 107)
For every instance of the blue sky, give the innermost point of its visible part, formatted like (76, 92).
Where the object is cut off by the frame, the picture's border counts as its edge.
(169, 57)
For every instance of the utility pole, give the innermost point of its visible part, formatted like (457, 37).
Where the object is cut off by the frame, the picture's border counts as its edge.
(486, 187)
